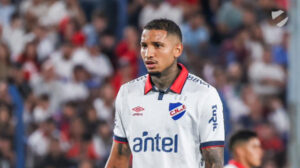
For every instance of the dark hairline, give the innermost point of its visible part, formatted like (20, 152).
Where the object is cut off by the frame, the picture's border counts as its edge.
(241, 142)
(164, 24)
(168, 33)
(242, 136)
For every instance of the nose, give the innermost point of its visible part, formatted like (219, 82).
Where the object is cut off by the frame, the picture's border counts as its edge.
(149, 52)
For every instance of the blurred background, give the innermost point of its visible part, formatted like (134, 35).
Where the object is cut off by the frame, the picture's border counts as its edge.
(62, 63)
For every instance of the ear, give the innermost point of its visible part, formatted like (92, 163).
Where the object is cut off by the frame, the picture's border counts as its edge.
(178, 50)
(239, 151)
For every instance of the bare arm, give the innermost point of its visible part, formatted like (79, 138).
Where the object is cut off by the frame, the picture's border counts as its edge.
(119, 156)
(214, 157)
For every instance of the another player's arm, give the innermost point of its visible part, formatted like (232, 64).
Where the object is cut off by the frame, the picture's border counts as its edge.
(119, 156)
(214, 157)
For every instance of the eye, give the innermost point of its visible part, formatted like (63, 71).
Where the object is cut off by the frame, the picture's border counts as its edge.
(157, 45)
(143, 45)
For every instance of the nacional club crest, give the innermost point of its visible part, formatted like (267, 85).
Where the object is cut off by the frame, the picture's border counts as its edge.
(177, 110)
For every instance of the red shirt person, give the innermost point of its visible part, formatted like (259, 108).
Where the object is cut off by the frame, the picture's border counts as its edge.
(246, 149)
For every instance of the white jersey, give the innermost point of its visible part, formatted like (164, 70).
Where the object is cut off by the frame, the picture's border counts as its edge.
(168, 128)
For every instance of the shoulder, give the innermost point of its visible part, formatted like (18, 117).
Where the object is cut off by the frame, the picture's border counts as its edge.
(135, 85)
(137, 81)
(200, 88)
(195, 83)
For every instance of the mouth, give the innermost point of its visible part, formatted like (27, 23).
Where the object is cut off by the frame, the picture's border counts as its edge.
(150, 64)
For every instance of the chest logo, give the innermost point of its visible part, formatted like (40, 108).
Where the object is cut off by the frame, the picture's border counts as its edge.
(138, 111)
(177, 110)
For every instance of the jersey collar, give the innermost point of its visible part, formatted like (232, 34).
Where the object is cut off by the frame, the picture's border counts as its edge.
(177, 84)
(236, 163)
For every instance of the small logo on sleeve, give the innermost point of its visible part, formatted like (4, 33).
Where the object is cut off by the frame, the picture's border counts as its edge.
(214, 118)
(138, 111)
(177, 110)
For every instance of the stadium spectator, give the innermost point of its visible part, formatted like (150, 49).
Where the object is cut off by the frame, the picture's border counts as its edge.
(33, 11)
(102, 142)
(33, 8)
(29, 60)
(230, 16)
(155, 9)
(14, 36)
(267, 77)
(104, 103)
(45, 42)
(195, 33)
(6, 10)
(272, 34)
(134, 9)
(7, 157)
(55, 156)
(123, 74)
(62, 61)
(255, 115)
(39, 140)
(234, 49)
(278, 112)
(99, 64)
(56, 11)
(65, 117)
(4, 61)
(280, 52)
(91, 120)
(41, 111)
(127, 49)
(255, 43)
(5, 96)
(75, 140)
(94, 30)
(74, 11)
(107, 46)
(6, 125)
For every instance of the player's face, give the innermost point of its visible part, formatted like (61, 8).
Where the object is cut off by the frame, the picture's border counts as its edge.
(253, 152)
(159, 50)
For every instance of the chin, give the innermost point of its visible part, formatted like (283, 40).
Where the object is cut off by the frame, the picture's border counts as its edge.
(257, 164)
(154, 73)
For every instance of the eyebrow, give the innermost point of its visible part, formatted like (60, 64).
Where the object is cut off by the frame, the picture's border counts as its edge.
(152, 42)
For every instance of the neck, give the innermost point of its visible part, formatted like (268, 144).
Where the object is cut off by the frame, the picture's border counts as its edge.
(166, 78)
(243, 162)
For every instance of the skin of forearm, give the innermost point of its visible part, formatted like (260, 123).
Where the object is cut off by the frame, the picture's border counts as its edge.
(120, 156)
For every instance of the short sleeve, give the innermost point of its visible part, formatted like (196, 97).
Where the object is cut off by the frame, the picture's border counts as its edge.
(211, 124)
(119, 131)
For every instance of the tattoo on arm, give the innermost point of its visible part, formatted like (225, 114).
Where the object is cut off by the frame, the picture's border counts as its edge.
(214, 157)
(123, 149)
(119, 156)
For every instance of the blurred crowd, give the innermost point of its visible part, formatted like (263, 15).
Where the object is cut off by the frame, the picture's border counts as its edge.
(63, 61)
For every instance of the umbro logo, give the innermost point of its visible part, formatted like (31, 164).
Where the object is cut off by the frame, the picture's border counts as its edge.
(138, 111)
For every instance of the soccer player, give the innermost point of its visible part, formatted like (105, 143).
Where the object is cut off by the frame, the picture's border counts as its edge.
(168, 118)
(246, 150)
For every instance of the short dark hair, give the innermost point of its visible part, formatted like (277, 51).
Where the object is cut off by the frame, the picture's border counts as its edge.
(241, 136)
(164, 24)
